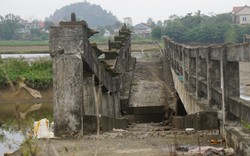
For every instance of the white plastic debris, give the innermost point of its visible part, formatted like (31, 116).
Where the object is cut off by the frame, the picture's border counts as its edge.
(42, 130)
(189, 129)
(118, 130)
(229, 151)
(203, 149)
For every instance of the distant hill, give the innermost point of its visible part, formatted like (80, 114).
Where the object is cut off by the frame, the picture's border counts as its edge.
(93, 14)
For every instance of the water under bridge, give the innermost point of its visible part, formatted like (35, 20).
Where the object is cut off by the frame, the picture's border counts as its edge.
(98, 90)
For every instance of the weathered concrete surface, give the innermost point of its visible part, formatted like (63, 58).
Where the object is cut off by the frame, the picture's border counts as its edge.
(239, 139)
(211, 80)
(85, 86)
(171, 96)
(68, 97)
(148, 89)
(189, 100)
(126, 86)
(244, 80)
(198, 121)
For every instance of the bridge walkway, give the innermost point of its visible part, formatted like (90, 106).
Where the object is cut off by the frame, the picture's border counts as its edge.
(147, 97)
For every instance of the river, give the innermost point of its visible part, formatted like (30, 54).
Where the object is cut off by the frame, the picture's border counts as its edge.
(12, 135)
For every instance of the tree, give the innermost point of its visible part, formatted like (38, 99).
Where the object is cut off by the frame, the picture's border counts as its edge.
(150, 22)
(159, 23)
(157, 32)
(201, 28)
(48, 24)
(9, 26)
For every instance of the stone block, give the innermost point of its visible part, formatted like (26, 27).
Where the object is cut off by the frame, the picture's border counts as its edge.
(177, 122)
(107, 124)
(205, 121)
(188, 121)
(89, 124)
(121, 123)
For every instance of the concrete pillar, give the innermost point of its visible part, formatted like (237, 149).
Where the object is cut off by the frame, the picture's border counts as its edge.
(188, 68)
(209, 76)
(65, 49)
(198, 72)
(230, 84)
(192, 71)
(184, 65)
(174, 58)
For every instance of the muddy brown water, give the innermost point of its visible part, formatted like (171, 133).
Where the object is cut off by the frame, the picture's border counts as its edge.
(13, 129)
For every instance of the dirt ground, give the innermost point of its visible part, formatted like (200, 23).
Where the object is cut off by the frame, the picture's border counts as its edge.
(151, 139)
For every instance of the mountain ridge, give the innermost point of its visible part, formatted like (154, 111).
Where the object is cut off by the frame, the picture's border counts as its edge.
(93, 14)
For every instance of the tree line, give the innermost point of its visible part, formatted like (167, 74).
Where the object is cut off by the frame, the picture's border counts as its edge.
(13, 27)
(200, 28)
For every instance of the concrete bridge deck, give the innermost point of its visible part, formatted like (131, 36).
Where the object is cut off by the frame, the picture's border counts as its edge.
(147, 99)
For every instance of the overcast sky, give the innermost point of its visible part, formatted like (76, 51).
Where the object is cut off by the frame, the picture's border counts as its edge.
(139, 10)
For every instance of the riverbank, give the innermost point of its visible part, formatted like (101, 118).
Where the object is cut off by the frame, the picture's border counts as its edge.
(17, 72)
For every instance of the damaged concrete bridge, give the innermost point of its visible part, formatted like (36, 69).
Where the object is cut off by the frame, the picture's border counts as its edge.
(207, 79)
(193, 87)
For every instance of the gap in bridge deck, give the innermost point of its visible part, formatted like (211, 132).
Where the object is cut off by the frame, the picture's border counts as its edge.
(180, 111)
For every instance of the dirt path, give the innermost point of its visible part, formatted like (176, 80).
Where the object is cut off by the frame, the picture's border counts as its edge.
(151, 139)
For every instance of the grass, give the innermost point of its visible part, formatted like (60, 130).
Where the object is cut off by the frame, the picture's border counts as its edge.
(245, 124)
(37, 75)
(23, 43)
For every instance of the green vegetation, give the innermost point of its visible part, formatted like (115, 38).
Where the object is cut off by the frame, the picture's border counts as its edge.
(245, 124)
(12, 27)
(36, 74)
(200, 28)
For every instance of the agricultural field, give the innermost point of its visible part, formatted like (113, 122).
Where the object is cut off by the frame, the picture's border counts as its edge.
(43, 46)
(24, 46)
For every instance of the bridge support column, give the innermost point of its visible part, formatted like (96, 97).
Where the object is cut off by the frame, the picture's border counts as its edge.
(210, 76)
(230, 85)
(198, 75)
(65, 49)
(192, 71)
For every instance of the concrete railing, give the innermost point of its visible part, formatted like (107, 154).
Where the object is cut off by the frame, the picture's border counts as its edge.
(211, 73)
(207, 79)
(86, 86)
